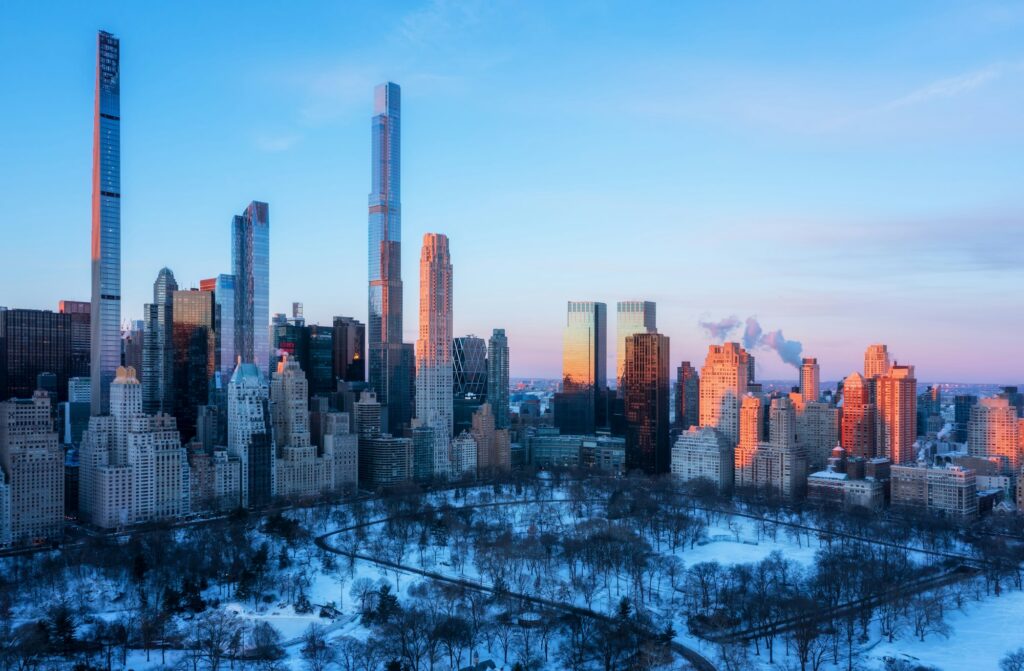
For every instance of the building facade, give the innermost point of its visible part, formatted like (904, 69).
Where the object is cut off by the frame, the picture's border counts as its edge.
(349, 342)
(810, 383)
(33, 342)
(896, 398)
(250, 265)
(584, 368)
(105, 317)
(31, 471)
(250, 434)
(647, 402)
(158, 347)
(993, 432)
(434, 370)
(497, 378)
(631, 317)
(687, 396)
(704, 453)
(723, 382)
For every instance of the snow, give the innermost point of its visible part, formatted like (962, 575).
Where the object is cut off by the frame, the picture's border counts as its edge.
(983, 632)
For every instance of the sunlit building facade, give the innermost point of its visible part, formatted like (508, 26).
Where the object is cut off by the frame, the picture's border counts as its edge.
(858, 434)
(105, 320)
(250, 265)
(584, 367)
(389, 359)
(896, 401)
(810, 384)
(434, 371)
(993, 432)
(723, 382)
(876, 361)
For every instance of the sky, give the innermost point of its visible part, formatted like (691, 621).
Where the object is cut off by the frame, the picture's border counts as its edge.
(846, 173)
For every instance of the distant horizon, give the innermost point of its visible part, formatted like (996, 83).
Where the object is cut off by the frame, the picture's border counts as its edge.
(724, 164)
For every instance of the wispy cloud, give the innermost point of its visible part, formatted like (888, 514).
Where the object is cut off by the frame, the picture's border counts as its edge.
(274, 143)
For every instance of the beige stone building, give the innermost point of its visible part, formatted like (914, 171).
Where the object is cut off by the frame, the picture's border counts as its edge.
(723, 382)
(32, 465)
(703, 452)
(950, 490)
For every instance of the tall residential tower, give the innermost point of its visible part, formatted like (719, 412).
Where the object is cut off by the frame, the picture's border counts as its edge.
(105, 320)
(250, 264)
(434, 375)
(389, 359)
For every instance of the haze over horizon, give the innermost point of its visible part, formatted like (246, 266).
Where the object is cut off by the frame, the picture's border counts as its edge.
(842, 180)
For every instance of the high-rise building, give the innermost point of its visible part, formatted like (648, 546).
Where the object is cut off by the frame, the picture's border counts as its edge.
(858, 434)
(584, 368)
(993, 432)
(484, 434)
(133, 468)
(434, 373)
(929, 409)
(299, 470)
(464, 451)
(158, 347)
(817, 429)
(962, 405)
(1015, 397)
(750, 436)
(32, 464)
(700, 453)
(723, 382)
(950, 490)
(81, 348)
(810, 386)
(497, 378)
(647, 402)
(132, 340)
(223, 288)
(896, 399)
(779, 466)
(388, 375)
(250, 435)
(349, 344)
(105, 317)
(687, 396)
(469, 366)
(250, 265)
(33, 342)
(195, 355)
(631, 317)
(876, 361)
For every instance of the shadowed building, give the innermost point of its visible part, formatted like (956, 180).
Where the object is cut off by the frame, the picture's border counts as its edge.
(646, 402)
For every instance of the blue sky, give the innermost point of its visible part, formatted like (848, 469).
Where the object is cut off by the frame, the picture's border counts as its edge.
(846, 172)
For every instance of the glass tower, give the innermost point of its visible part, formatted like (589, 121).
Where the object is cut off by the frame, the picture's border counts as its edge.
(105, 319)
(646, 400)
(224, 324)
(250, 263)
(584, 368)
(497, 377)
(631, 317)
(469, 362)
(387, 374)
(158, 347)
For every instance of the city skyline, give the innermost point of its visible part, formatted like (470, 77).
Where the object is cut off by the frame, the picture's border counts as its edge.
(943, 278)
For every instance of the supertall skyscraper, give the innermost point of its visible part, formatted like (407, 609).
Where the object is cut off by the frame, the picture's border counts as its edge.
(434, 374)
(250, 264)
(105, 318)
(388, 376)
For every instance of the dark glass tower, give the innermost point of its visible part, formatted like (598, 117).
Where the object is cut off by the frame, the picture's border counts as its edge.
(250, 264)
(33, 342)
(497, 378)
(195, 355)
(158, 347)
(687, 396)
(469, 365)
(579, 407)
(387, 374)
(349, 358)
(105, 320)
(646, 400)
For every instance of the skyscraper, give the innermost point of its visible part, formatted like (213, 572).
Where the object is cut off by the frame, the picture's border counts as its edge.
(224, 322)
(33, 342)
(434, 375)
(250, 437)
(687, 396)
(349, 344)
(857, 430)
(993, 432)
(896, 399)
(584, 368)
(630, 317)
(646, 402)
(388, 376)
(250, 264)
(158, 347)
(105, 319)
(876, 361)
(810, 386)
(469, 365)
(962, 404)
(723, 383)
(80, 312)
(497, 378)
(194, 355)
